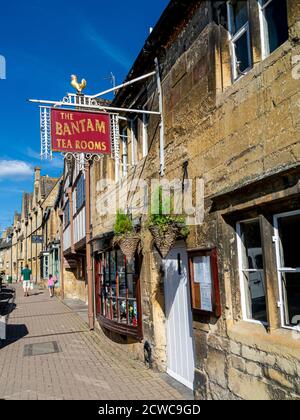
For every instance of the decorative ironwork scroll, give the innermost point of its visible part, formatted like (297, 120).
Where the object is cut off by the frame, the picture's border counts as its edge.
(45, 125)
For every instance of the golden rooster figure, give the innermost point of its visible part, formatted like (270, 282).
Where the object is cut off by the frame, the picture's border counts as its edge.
(76, 85)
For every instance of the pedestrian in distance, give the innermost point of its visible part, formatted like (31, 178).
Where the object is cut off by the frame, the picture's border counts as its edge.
(26, 276)
(51, 284)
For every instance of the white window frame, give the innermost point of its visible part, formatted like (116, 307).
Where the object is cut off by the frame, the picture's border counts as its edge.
(46, 257)
(145, 135)
(265, 50)
(280, 270)
(133, 122)
(233, 38)
(242, 270)
(124, 160)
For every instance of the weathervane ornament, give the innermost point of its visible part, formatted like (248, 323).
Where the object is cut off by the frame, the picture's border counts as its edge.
(79, 87)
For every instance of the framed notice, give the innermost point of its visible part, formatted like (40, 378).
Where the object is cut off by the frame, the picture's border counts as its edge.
(204, 282)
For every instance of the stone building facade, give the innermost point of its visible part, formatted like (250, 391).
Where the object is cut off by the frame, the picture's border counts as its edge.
(230, 90)
(71, 205)
(5, 253)
(29, 224)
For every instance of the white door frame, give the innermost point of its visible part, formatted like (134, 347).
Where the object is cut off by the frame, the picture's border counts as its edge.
(173, 325)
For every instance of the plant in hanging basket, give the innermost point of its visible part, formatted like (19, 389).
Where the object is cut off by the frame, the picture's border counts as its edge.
(166, 228)
(125, 235)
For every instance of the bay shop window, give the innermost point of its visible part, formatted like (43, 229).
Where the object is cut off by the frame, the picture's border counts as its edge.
(117, 292)
(252, 266)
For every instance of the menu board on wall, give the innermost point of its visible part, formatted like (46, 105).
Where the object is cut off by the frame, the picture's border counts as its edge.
(204, 281)
(202, 276)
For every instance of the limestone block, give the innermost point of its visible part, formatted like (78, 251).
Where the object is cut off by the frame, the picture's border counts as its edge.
(279, 378)
(255, 355)
(235, 348)
(237, 363)
(254, 369)
(216, 366)
(247, 387)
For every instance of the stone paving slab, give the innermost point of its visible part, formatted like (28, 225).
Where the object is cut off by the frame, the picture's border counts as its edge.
(85, 368)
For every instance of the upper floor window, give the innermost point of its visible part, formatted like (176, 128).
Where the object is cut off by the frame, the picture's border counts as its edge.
(80, 193)
(238, 25)
(67, 214)
(124, 151)
(145, 123)
(274, 25)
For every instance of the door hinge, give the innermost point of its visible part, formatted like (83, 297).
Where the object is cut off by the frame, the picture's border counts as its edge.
(274, 239)
(279, 304)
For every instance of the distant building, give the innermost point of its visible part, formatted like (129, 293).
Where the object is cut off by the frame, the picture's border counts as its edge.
(28, 240)
(5, 252)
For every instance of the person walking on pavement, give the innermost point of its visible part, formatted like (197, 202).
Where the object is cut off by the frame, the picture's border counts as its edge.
(51, 285)
(27, 278)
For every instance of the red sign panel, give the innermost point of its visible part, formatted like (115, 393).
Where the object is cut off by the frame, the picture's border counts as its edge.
(80, 132)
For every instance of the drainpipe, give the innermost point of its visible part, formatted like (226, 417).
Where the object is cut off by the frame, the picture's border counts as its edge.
(36, 250)
(88, 247)
(62, 279)
(31, 242)
(70, 195)
(161, 125)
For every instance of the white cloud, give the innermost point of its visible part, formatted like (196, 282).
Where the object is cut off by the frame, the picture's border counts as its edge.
(15, 169)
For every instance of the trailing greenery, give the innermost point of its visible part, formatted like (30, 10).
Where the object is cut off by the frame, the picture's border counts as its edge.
(160, 218)
(123, 224)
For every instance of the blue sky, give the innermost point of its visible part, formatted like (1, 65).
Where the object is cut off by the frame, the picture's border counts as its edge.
(43, 44)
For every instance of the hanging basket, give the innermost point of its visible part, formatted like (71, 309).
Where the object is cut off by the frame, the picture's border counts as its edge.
(128, 244)
(164, 238)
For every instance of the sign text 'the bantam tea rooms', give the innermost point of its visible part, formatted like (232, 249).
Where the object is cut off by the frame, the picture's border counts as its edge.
(80, 132)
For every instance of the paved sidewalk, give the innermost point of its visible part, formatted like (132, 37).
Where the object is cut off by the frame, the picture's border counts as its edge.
(84, 368)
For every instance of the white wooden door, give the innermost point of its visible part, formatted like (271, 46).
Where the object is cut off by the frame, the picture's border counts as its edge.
(180, 343)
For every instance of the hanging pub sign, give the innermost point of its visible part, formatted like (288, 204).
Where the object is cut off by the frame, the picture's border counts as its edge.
(80, 132)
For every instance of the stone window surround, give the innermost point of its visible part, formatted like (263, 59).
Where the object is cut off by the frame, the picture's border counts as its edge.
(271, 275)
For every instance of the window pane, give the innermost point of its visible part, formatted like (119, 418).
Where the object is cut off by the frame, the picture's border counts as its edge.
(113, 273)
(114, 309)
(255, 296)
(242, 52)
(289, 230)
(251, 238)
(277, 24)
(123, 311)
(131, 280)
(132, 313)
(254, 283)
(121, 274)
(240, 14)
(291, 293)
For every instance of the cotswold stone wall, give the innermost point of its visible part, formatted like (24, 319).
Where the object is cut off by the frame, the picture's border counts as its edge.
(233, 136)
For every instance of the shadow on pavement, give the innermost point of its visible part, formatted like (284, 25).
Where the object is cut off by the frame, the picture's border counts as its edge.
(7, 298)
(14, 333)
